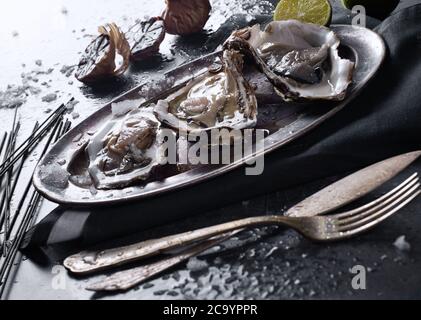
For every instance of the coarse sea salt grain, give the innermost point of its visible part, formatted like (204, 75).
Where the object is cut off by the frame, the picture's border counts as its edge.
(49, 97)
(123, 107)
(195, 264)
(401, 244)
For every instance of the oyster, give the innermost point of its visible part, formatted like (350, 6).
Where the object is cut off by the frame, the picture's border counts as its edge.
(220, 98)
(125, 150)
(301, 60)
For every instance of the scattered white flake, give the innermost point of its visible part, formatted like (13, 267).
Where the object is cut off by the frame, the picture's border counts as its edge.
(54, 175)
(49, 97)
(401, 244)
(123, 107)
(78, 137)
(75, 115)
(67, 70)
(71, 105)
(61, 162)
(271, 252)
(195, 264)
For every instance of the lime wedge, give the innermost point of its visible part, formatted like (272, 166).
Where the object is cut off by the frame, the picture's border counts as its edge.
(310, 11)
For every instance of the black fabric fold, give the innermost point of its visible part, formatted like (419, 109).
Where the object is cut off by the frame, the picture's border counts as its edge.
(384, 120)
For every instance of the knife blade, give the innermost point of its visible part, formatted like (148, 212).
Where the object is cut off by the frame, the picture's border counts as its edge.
(127, 279)
(330, 198)
(352, 187)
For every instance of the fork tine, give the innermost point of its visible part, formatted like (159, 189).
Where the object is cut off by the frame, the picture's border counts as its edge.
(387, 201)
(383, 213)
(382, 218)
(412, 179)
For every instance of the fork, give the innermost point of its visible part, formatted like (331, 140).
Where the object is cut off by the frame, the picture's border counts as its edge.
(333, 227)
(317, 228)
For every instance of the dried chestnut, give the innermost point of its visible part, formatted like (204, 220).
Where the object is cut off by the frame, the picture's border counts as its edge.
(183, 17)
(145, 37)
(106, 56)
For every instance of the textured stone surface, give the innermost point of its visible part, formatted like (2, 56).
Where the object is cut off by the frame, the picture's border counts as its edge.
(270, 263)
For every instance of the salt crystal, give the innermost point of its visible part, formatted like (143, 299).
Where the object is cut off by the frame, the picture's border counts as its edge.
(71, 105)
(195, 264)
(271, 252)
(54, 175)
(401, 244)
(49, 97)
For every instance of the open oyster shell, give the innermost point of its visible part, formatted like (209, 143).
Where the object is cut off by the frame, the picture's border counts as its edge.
(220, 98)
(125, 150)
(301, 60)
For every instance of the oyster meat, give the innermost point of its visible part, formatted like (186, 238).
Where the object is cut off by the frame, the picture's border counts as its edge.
(220, 98)
(126, 150)
(301, 60)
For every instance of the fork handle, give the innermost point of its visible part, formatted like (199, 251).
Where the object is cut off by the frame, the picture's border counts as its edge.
(87, 262)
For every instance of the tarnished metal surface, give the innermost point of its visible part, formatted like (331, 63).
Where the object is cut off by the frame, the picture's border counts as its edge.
(317, 228)
(286, 123)
(352, 187)
(127, 279)
(328, 199)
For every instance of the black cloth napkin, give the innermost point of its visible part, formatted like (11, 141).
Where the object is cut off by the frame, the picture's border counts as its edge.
(383, 121)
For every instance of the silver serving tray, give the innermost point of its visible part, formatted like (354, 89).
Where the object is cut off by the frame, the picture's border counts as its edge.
(285, 122)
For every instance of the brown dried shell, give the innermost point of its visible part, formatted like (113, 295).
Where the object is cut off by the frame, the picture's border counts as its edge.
(145, 37)
(99, 59)
(183, 17)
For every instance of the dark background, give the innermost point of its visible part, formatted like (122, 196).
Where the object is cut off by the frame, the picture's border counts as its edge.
(260, 263)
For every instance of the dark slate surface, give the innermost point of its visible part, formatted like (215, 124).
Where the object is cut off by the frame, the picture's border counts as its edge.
(263, 263)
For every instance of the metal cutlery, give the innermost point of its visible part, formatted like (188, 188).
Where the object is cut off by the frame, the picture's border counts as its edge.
(127, 279)
(317, 228)
(326, 200)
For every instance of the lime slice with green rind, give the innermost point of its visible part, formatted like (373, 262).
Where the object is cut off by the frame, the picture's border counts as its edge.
(309, 11)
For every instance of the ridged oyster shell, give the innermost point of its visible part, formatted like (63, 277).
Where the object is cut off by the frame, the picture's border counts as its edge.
(125, 150)
(220, 98)
(301, 60)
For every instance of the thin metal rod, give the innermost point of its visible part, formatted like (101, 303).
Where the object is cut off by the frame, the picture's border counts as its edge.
(29, 216)
(15, 182)
(29, 185)
(7, 193)
(3, 141)
(44, 127)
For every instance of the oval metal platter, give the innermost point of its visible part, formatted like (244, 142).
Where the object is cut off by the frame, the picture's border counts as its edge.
(283, 121)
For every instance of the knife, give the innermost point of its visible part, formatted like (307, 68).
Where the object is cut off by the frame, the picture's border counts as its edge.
(326, 200)
(127, 279)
